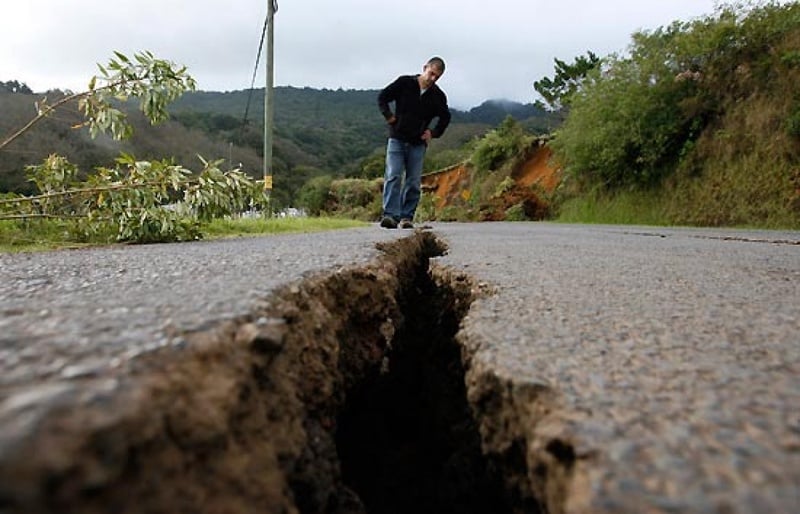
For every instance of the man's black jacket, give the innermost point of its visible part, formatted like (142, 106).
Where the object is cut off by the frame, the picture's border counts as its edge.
(414, 113)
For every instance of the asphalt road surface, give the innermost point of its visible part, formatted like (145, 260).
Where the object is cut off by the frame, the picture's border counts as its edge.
(659, 367)
(674, 354)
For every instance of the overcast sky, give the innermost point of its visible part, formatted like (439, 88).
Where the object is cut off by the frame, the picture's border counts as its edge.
(493, 49)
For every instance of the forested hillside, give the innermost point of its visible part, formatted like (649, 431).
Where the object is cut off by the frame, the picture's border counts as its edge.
(699, 123)
(317, 132)
(60, 134)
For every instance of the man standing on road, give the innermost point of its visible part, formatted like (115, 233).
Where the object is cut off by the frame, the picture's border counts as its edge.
(417, 101)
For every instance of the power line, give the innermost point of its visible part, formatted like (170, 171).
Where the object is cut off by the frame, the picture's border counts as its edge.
(255, 72)
(258, 59)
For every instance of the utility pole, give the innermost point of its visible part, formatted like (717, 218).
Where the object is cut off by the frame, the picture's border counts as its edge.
(269, 96)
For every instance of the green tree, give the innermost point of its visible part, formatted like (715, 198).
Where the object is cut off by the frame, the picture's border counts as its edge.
(625, 127)
(633, 123)
(372, 166)
(558, 91)
(14, 86)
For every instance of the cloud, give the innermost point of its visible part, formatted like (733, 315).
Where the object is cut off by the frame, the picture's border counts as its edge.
(493, 49)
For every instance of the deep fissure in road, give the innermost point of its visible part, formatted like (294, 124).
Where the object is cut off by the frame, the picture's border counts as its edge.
(406, 438)
(344, 393)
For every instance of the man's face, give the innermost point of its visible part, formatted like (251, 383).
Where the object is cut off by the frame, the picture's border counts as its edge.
(430, 74)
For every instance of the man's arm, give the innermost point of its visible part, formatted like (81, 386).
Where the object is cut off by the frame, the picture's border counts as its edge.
(444, 118)
(387, 95)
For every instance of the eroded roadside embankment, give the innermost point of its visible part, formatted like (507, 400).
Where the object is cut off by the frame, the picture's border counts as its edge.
(344, 393)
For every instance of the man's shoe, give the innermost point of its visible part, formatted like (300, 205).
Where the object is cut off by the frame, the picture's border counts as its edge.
(406, 224)
(388, 222)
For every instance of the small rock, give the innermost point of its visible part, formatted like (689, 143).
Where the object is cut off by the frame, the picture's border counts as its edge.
(266, 338)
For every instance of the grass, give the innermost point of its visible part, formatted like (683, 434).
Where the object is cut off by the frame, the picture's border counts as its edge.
(621, 208)
(698, 204)
(38, 236)
(222, 228)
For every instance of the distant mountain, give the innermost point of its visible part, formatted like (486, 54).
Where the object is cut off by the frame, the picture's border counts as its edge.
(323, 105)
(495, 111)
(335, 128)
(317, 131)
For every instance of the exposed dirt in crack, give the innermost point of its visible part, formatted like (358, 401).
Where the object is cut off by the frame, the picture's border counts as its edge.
(407, 438)
(246, 417)
(525, 431)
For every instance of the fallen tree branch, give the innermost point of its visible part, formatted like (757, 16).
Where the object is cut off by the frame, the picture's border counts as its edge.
(88, 190)
(48, 109)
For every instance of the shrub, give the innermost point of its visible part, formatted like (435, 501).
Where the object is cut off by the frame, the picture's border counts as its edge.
(350, 192)
(501, 144)
(426, 210)
(639, 115)
(314, 196)
(516, 213)
(357, 198)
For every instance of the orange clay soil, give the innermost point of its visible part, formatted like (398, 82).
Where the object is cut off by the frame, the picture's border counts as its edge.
(534, 180)
(537, 170)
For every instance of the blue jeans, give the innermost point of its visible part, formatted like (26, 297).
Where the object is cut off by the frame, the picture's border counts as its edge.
(400, 197)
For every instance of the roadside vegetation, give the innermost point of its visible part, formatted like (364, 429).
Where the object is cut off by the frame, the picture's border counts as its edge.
(134, 201)
(243, 227)
(35, 236)
(697, 124)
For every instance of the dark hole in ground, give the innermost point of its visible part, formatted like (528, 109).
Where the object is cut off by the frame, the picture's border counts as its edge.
(562, 451)
(406, 438)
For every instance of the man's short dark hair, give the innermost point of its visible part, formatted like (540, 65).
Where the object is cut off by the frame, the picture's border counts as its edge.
(436, 61)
